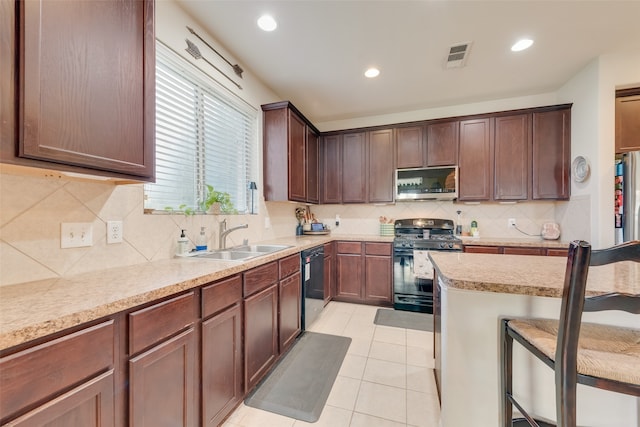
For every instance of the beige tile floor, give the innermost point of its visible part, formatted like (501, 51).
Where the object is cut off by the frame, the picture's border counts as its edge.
(386, 379)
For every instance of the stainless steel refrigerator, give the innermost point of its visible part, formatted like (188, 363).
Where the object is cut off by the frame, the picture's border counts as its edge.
(627, 202)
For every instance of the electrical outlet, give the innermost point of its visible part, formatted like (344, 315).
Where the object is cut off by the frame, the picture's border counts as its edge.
(114, 232)
(76, 234)
(511, 223)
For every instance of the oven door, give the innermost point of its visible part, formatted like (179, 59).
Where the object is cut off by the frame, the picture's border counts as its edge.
(412, 281)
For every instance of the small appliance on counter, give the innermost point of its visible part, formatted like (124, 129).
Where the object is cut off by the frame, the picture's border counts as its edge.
(550, 231)
(316, 228)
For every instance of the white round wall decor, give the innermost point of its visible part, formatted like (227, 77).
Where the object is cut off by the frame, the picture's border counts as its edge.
(580, 169)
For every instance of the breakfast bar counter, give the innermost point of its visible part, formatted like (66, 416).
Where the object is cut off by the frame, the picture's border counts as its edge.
(473, 291)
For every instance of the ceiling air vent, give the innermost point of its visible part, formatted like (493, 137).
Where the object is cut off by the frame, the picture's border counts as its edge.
(458, 54)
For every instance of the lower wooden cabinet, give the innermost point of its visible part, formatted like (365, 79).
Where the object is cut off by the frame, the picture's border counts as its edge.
(221, 364)
(364, 272)
(260, 335)
(378, 273)
(61, 382)
(89, 405)
(289, 310)
(162, 384)
(329, 272)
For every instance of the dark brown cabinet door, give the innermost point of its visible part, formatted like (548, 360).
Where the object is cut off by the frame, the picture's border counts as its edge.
(87, 97)
(551, 161)
(512, 147)
(260, 335)
(475, 159)
(442, 144)
(63, 373)
(313, 159)
(332, 169)
(162, 384)
(381, 170)
(328, 272)
(354, 167)
(349, 277)
(378, 284)
(89, 405)
(483, 249)
(221, 365)
(628, 122)
(289, 312)
(410, 147)
(297, 159)
(8, 106)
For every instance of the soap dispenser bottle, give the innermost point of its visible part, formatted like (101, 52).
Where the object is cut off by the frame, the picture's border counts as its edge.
(201, 241)
(183, 245)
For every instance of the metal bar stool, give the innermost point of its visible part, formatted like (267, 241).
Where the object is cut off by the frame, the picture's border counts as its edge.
(602, 356)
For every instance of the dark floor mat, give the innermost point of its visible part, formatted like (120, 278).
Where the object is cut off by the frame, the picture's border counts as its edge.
(404, 319)
(299, 385)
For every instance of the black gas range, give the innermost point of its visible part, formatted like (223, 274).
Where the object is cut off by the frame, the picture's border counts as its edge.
(412, 269)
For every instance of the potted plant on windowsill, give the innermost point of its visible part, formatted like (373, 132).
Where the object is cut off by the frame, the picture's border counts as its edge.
(217, 202)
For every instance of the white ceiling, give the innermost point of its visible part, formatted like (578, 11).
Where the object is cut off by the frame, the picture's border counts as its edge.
(318, 54)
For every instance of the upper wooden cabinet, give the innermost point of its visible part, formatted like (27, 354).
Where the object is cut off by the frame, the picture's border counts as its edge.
(442, 144)
(512, 148)
(331, 170)
(551, 155)
(290, 155)
(475, 159)
(354, 167)
(84, 99)
(380, 170)
(368, 166)
(627, 120)
(432, 145)
(410, 147)
(520, 156)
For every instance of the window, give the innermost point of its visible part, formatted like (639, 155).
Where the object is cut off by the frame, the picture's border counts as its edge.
(204, 136)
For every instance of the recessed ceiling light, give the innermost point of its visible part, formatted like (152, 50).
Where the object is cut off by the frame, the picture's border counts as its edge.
(372, 72)
(267, 23)
(522, 45)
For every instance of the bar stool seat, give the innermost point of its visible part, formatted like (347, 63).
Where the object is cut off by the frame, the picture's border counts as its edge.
(604, 351)
(598, 355)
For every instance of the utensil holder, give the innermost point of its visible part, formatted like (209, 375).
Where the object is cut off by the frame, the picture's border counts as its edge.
(387, 230)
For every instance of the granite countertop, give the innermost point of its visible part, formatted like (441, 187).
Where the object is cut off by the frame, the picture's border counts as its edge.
(528, 274)
(535, 242)
(36, 309)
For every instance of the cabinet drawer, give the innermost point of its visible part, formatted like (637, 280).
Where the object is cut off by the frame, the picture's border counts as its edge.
(558, 252)
(289, 265)
(349, 247)
(260, 278)
(482, 249)
(36, 373)
(371, 248)
(523, 251)
(153, 324)
(220, 295)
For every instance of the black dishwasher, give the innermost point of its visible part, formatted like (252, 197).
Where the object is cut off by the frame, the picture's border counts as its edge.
(312, 284)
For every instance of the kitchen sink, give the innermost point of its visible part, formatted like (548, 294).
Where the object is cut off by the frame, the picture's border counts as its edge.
(229, 255)
(262, 249)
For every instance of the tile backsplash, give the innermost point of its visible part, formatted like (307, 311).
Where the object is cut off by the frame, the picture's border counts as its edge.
(33, 207)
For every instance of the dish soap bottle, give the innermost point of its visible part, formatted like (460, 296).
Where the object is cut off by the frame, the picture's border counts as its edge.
(183, 245)
(201, 241)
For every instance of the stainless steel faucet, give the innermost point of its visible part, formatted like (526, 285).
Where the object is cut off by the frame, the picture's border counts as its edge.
(222, 240)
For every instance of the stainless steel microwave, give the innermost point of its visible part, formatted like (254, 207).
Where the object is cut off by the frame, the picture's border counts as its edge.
(434, 183)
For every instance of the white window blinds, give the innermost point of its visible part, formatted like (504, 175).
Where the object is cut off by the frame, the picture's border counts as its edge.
(204, 136)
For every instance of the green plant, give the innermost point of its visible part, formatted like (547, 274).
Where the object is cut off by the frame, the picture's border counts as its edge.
(221, 197)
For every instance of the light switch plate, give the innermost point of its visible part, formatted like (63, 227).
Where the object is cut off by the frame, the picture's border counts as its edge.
(76, 234)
